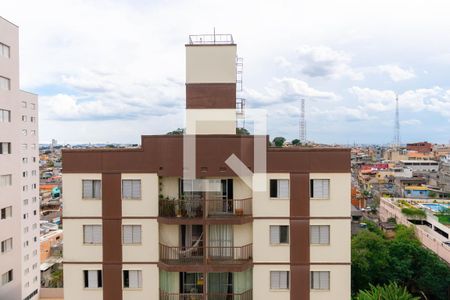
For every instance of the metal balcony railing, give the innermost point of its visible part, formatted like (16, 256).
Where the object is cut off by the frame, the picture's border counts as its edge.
(196, 208)
(211, 39)
(212, 254)
(247, 295)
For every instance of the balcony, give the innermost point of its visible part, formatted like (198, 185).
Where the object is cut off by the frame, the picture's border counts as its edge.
(247, 295)
(214, 258)
(236, 211)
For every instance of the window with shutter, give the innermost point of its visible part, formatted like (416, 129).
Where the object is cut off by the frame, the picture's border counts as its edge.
(279, 234)
(92, 234)
(279, 279)
(132, 279)
(279, 188)
(131, 234)
(92, 189)
(319, 234)
(320, 189)
(131, 189)
(320, 280)
(92, 279)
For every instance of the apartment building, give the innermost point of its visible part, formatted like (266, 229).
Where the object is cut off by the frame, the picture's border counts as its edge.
(19, 176)
(164, 221)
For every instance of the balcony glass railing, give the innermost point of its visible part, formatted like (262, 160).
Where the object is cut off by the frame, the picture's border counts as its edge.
(195, 208)
(247, 295)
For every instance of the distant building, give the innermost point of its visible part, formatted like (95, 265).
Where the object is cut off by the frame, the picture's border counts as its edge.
(421, 165)
(423, 147)
(19, 176)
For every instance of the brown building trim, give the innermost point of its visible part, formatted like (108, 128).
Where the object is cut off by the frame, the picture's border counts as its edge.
(271, 263)
(299, 235)
(209, 45)
(82, 262)
(210, 95)
(206, 221)
(81, 218)
(206, 268)
(112, 236)
(164, 155)
(330, 218)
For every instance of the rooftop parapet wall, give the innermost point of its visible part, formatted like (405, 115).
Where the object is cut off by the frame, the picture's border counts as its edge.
(163, 154)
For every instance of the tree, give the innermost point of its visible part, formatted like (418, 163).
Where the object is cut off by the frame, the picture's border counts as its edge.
(279, 141)
(178, 131)
(242, 131)
(391, 291)
(295, 142)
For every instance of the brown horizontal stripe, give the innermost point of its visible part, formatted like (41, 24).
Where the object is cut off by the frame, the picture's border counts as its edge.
(123, 217)
(210, 95)
(330, 263)
(101, 262)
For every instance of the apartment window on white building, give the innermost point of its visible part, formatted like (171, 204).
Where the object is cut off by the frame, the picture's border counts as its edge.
(33, 132)
(6, 212)
(319, 234)
(320, 189)
(35, 279)
(24, 104)
(7, 277)
(26, 271)
(25, 174)
(34, 266)
(132, 279)
(24, 146)
(279, 188)
(5, 180)
(33, 146)
(131, 234)
(34, 199)
(279, 234)
(25, 230)
(5, 116)
(5, 148)
(25, 216)
(34, 159)
(5, 83)
(34, 186)
(24, 117)
(27, 284)
(32, 106)
(92, 234)
(25, 244)
(279, 280)
(34, 226)
(25, 188)
(6, 245)
(34, 252)
(92, 279)
(32, 119)
(24, 132)
(26, 257)
(4, 50)
(320, 280)
(33, 172)
(92, 189)
(24, 160)
(25, 202)
(131, 189)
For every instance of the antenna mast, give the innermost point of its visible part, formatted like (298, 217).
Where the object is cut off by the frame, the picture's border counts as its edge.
(302, 122)
(397, 125)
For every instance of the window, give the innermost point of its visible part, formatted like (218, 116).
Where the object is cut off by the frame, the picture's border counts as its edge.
(7, 277)
(32, 119)
(34, 226)
(6, 212)
(26, 257)
(131, 189)
(33, 106)
(25, 230)
(25, 174)
(131, 234)
(92, 234)
(92, 279)
(5, 116)
(132, 279)
(24, 104)
(33, 173)
(5, 83)
(25, 160)
(24, 146)
(320, 189)
(25, 244)
(26, 271)
(279, 188)
(33, 132)
(34, 266)
(5, 148)
(33, 146)
(279, 280)
(24, 132)
(24, 118)
(319, 234)
(34, 199)
(6, 245)
(92, 189)
(279, 234)
(4, 50)
(5, 180)
(27, 284)
(34, 252)
(320, 280)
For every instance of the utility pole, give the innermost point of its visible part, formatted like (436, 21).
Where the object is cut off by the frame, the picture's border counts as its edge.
(397, 125)
(302, 122)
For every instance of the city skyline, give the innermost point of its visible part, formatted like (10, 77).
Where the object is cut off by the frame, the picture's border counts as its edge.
(122, 67)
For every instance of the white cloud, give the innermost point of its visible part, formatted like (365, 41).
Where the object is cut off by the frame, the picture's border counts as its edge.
(321, 61)
(411, 122)
(396, 73)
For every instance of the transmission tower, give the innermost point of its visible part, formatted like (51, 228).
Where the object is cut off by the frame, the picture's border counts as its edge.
(302, 122)
(397, 125)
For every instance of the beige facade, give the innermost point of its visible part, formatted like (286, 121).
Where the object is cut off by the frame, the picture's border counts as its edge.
(211, 121)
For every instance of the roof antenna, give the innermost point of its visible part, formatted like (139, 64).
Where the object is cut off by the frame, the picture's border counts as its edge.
(214, 35)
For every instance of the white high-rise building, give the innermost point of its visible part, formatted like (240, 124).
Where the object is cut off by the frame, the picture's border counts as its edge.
(19, 176)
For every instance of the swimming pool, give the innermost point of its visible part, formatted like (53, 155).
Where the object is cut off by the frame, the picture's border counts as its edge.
(436, 207)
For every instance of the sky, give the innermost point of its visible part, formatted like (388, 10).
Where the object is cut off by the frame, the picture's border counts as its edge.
(107, 71)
